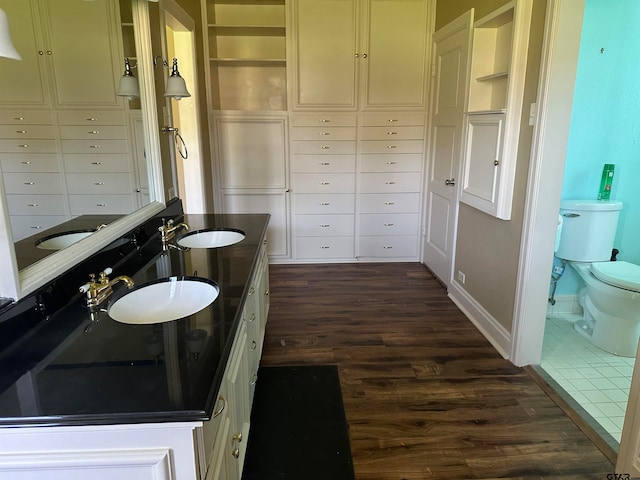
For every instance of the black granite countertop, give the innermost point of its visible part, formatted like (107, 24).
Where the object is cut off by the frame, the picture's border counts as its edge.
(74, 368)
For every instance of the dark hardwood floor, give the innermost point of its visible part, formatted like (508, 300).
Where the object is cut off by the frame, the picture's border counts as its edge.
(426, 395)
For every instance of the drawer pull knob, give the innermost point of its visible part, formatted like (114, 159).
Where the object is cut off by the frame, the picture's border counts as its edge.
(236, 453)
(32, 204)
(387, 248)
(324, 247)
(93, 132)
(392, 133)
(24, 145)
(325, 120)
(254, 345)
(252, 318)
(325, 183)
(217, 413)
(325, 147)
(252, 291)
(29, 183)
(91, 119)
(324, 203)
(325, 225)
(98, 183)
(37, 227)
(21, 131)
(94, 146)
(325, 163)
(26, 162)
(325, 133)
(18, 118)
(390, 183)
(96, 163)
(391, 163)
(392, 120)
(389, 203)
(392, 146)
(388, 224)
(101, 204)
(238, 437)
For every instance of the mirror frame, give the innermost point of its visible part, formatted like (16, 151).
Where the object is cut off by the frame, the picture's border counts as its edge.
(16, 284)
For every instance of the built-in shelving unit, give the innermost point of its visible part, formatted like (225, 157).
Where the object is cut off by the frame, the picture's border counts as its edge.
(247, 54)
(128, 43)
(494, 108)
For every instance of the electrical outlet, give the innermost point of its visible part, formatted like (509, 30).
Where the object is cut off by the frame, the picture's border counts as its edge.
(461, 277)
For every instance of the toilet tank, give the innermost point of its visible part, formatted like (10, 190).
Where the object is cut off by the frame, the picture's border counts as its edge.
(588, 230)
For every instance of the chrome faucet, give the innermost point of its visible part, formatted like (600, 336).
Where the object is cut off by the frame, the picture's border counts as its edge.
(168, 230)
(99, 290)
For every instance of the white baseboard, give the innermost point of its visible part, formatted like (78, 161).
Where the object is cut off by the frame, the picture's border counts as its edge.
(564, 304)
(497, 335)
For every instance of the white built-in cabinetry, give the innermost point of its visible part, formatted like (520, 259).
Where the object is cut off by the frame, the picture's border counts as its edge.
(342, 179)
(494, 109)
(66, 144)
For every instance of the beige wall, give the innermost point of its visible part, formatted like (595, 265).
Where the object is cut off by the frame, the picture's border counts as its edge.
(487, 249)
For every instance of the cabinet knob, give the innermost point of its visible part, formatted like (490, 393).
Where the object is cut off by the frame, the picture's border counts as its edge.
(391, 163)
(324, 204)
(32, 204)
(364, 55)
(98, 183)
(94, 146)
(392, 133)
(325, 183)
(18, 118)
(24, 145)
(235, 453)
(238, 437)
(390, 183)
(325, 147)
(21, 131)
(356, 55)
(389, 203)
(325, 163)
(324, 225)
(392, 146)
(254, 345)
(96, 163)
(101, 204)
(496, 162)
(93, 132)
(325, 120)
(217, 412)
(450, 182)
(388, 224)
(325, 133)
(324, 247)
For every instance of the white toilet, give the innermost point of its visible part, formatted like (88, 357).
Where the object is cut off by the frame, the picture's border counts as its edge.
(611, 297)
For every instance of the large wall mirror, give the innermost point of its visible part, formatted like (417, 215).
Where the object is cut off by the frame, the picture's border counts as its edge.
(69, 146)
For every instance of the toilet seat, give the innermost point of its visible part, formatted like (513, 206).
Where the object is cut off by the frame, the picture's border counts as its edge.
(619, 274)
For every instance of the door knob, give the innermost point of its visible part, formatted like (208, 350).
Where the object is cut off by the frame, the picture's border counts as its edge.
(450, 181)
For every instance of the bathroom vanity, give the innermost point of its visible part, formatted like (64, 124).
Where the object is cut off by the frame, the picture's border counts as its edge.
(84, 396)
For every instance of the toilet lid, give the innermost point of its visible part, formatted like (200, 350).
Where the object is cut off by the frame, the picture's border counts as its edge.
(620, 274)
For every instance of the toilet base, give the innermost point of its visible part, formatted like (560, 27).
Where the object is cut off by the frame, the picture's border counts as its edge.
(610, 333)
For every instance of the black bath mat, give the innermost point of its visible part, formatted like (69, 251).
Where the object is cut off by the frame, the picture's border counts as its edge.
(298, 426)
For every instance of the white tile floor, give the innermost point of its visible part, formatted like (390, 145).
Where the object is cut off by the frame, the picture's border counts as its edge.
(597, 380)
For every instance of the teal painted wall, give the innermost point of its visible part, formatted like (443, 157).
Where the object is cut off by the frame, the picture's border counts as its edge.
(605, 125)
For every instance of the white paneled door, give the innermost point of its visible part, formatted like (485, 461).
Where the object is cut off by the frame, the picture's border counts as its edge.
(446, 124)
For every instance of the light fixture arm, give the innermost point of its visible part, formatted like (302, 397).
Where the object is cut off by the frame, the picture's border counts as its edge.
(176, 86)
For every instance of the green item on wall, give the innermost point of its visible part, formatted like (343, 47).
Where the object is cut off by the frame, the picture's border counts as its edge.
(605, 183)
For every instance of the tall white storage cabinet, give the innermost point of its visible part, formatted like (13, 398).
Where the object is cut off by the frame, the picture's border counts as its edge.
(247, 99)
(358, 85)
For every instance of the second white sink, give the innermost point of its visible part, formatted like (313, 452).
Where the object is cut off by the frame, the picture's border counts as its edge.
(211, 238)
(164, 300)
(62, 240)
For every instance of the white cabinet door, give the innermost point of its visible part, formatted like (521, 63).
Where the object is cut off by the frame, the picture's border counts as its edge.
(324, 47)
(483, 162)
(394, 54)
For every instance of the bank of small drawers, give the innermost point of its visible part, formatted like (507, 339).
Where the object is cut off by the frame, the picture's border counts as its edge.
(390, 180)
(324, 185)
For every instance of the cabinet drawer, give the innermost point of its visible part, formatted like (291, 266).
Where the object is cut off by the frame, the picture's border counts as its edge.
(389, 162)
(49, 183)
(391, 146)
(318, 203)
(27, 131)
(88, 117)
(93, 132)
(26, 117)
(389, 203)
(324, 225)
(29, 162)
(323, 133)
(23, 226)
(324, 247)
(320, 147)
(97, 204)
(326, 119)
(78, 163)
(99, 183)
(381, 119)
(398, 246)
(324, 163)
(391, 133)
(36, 204)
(391, 182)
(28, 146)
(389, 224)
(94, 146)
(324, 183)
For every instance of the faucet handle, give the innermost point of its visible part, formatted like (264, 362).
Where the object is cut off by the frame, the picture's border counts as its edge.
(85, 288)
(107, 271)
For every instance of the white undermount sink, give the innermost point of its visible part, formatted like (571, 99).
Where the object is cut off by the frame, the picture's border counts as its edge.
(211, 238)
(62, 240)
(164, 300)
